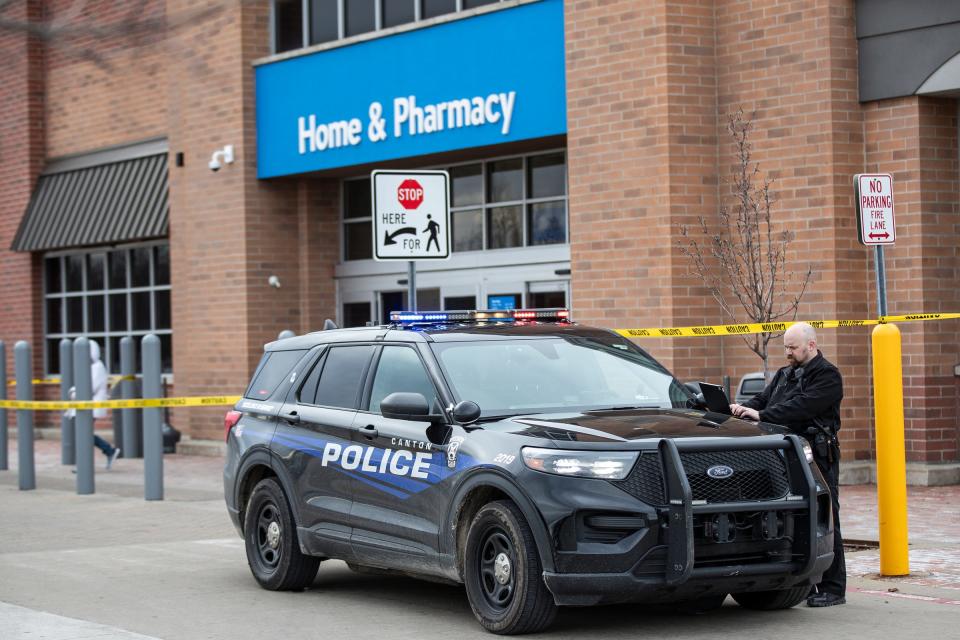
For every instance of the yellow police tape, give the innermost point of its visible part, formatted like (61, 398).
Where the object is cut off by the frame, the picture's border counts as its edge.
(656, 332)
(771, 327)
(136, 403)
(113, 380)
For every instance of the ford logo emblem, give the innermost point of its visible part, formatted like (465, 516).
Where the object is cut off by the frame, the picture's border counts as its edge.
(720, 472)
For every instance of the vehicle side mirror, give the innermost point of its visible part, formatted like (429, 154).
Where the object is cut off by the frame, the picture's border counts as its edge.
(405, 406)
(466, 412)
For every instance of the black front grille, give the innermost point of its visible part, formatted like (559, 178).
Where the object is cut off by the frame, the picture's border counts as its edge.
(757, 475)
(645, 481)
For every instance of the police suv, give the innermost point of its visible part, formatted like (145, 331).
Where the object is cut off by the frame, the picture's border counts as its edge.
(537, 462)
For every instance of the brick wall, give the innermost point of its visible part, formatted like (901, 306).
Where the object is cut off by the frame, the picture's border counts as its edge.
(792, 66)
(22, 139)
(641, 149)
(230, 231)
(649, 94)
(106, 77)
(915, 140)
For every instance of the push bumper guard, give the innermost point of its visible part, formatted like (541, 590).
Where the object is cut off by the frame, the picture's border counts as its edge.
(681, 578)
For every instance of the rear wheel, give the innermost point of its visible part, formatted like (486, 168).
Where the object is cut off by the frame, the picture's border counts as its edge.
(270, 534)
(503, 575)
(771, 600)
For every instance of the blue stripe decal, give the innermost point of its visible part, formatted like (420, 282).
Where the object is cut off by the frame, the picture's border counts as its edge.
(396, 485)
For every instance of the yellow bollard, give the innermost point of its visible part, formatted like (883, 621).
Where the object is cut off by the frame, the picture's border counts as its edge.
(891, 458)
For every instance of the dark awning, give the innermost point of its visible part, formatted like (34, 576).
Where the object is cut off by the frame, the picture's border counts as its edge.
(106, 197)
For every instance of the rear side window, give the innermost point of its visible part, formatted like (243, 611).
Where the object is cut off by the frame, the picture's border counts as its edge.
(752, 385)
(273, 368)
(341, 377)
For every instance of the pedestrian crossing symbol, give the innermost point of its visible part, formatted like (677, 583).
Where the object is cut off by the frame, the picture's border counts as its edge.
(411, 215)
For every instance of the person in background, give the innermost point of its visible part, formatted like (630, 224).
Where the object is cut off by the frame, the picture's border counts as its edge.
(99, 384)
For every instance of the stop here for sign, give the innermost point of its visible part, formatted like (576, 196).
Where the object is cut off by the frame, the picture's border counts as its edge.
(411, 216)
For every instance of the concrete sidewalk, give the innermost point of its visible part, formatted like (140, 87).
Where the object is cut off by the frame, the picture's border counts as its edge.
(934, 515)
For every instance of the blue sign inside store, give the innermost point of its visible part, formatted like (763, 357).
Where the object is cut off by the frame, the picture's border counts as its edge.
(491, 78)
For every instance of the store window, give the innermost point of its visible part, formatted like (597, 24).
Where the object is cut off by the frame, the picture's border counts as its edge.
(105, 295)
(495, 204)
(329, 20)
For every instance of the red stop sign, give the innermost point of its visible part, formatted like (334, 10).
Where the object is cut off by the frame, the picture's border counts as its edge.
(410, 194)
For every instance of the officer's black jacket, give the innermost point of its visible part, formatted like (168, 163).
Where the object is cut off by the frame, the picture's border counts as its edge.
(802, 397)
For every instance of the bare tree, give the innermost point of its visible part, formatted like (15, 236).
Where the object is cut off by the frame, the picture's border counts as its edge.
(741, 258)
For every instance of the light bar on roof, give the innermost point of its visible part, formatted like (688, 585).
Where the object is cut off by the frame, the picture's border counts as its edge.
(483, 315)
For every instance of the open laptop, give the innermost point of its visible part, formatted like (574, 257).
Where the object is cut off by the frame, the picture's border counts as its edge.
(715, 397)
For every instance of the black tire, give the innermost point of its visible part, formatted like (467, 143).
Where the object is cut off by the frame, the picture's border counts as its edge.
(771, 600)
(270, 534)
(503, 575)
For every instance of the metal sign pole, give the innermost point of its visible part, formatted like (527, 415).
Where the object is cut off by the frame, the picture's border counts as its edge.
(881, 280)
(412, 285)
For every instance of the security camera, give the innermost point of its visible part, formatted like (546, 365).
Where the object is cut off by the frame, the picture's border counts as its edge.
(221, 157)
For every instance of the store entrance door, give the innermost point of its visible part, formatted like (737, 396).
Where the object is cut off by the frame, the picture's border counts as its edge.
(427, 300)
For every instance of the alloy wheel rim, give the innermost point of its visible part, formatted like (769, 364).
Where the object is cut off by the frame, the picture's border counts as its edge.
(269, 536)
(496, 563)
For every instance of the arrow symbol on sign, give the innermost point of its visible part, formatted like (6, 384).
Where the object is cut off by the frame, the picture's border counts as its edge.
(388, 238)
(880, 235)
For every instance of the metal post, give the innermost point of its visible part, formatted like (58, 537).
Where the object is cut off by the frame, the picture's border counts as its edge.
(83, 423)
(286, 333)
(152, 420)
(891, 457)
(4, 442)
(128, 417)
(412, 285)
(68, 442)
(23, 369)
(881, 280)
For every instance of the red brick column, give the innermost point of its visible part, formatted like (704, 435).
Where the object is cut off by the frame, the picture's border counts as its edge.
(22, 142)
(229, 231)
(915, 140)
(641, 104)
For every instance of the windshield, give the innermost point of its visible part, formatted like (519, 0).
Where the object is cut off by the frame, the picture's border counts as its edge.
(511, 377)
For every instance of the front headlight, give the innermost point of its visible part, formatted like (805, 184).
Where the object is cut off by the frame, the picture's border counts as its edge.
(807, 451)
(608, 465)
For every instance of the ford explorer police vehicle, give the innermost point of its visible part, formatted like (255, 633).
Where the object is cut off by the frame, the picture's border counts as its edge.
(537, 462)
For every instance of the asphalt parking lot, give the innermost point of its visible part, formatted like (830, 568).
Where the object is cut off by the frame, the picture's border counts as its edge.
(113, 566)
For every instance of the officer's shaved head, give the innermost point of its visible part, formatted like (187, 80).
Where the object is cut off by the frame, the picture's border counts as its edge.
(800, 344)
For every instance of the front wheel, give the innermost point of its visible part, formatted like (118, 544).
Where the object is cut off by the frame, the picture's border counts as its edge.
(502, 573)
(270, 534)
(771, 600)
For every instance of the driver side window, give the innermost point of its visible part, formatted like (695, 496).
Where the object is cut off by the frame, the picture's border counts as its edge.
(400, 369)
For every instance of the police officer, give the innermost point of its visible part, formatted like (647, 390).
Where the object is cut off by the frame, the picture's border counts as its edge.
(805, 397)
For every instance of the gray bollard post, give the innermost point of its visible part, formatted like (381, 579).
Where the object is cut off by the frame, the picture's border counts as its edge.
(128, 417)
(23, 369)
(286, 333)
(68, 437)
(152, 420)
(84, 420)
(4, 442)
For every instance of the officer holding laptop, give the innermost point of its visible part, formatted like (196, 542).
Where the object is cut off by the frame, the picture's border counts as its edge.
(805, 397)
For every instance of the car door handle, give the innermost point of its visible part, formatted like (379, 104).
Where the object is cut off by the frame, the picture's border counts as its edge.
(369, 432)
(293, 417)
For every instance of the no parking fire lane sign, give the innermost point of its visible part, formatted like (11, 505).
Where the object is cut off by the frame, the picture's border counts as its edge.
(411, 215)
(874, 193)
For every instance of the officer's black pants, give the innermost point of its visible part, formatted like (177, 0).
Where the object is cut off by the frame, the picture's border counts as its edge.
(835, 578)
